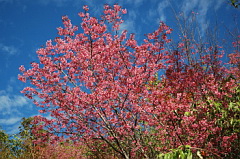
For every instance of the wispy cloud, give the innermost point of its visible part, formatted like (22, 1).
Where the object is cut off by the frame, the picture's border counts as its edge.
(10, 50)
(202, 8)
(13, 129)
(9, 104)
(129, 23)
(189, 6)
(161, 8)
(10, 121)
(12, 108)
(157, 12)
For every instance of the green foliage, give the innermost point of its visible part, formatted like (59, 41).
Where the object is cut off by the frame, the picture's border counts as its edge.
(10, 145)
(228, 110)
(182, 152)
(17, 145)
(26, 127)
(3, 144)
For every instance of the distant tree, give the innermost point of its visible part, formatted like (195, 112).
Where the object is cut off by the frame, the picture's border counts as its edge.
(26, 128)
(29, 134)
(10, 145)
(19, 145)
(3, 143)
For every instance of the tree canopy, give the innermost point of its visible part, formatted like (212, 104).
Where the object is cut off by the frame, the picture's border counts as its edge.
(140, 99)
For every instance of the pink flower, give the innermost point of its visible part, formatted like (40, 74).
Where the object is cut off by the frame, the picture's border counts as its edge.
(194, 126)
(169, 31)
(81, 14)
(181, 45)
(22, 78)
(22, 68)
(85, 7)
(117, 7)
(124, 11)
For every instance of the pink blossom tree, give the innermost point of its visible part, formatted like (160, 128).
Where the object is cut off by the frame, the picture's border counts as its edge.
(101, 84)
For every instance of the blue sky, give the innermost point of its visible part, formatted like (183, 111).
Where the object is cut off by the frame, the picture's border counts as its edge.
(25, 25)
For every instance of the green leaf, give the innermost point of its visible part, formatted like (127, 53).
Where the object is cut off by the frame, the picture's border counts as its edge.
(199, 155)
(187, 114)
(189, 155)
(182, 155)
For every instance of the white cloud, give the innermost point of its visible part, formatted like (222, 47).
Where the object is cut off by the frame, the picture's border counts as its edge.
(14, 129)
(15, 100)
(202, 9)
(10, 50)
(12, 108)
(204, 6)
(161, 7)
(189, 6)
(128, 25)
(9, 104)
(10, 121)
